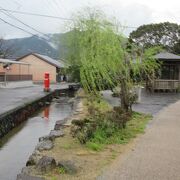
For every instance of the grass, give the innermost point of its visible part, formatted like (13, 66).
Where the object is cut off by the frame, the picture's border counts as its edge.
(110, 133)
(113, 155)
(136, 125)
(61, 170)
(97, 104)
(94, 146)
(67, 146)
(54, 178)
(57, 171)
(104, 146)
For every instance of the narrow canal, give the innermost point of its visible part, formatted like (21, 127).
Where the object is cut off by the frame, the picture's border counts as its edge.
(19, 144)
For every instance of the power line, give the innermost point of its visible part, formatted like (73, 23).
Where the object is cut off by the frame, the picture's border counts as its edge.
(35, 14)
(13, 17)
(130, 27)
(17, 27)
(53, 17)
(60, 6)
(48, 6)
(63, 5)
(53, 6)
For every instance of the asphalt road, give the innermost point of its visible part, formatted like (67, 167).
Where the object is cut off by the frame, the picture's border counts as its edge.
(12, 98)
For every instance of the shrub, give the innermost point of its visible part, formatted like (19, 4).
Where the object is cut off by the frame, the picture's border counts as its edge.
(99, 126)
(113, 126)
(107, 125)
(94, 146)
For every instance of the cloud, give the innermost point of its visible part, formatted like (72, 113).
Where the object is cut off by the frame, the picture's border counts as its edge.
(129, 13)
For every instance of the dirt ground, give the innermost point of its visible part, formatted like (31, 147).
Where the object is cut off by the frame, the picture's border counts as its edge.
(89, 163)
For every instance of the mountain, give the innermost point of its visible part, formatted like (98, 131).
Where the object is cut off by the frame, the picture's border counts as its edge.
(22, 46)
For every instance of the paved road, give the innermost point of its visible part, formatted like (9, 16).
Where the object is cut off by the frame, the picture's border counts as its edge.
(156, 156)
(12, 98)
(150, 103)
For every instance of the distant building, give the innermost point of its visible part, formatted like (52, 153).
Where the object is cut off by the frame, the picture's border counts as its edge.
(11, 73)
(39, 64)
(169, 78)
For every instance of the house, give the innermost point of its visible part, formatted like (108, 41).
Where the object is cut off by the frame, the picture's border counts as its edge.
(39, 64)
(13, 72)
(169, 76)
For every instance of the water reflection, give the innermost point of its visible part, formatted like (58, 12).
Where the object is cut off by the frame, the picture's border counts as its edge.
(18, 145)
(46, 113)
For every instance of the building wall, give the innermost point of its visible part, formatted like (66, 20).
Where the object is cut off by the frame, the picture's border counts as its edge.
(19, 69)
(15, 69)
(37, 68)
(1, 68)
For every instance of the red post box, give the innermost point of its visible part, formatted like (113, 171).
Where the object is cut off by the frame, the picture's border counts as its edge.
(46, 82)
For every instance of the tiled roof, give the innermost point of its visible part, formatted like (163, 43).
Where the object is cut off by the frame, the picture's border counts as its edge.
(167, 56)
(54, 62)
(9, 61)
(57, 63)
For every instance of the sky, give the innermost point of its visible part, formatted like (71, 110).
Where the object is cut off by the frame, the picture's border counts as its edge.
(132, 13)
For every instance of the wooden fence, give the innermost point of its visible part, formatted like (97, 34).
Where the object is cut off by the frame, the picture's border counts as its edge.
(12, 77)
(162, 84)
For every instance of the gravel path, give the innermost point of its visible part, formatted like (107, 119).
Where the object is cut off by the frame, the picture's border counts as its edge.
(156, 155)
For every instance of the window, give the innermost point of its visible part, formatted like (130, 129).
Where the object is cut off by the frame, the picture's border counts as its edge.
(170, 72)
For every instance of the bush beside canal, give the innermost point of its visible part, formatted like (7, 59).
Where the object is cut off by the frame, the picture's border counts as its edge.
(106, 125)
(106, 133)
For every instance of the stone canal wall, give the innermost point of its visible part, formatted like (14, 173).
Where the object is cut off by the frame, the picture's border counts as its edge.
(13, 118)
(40, 163)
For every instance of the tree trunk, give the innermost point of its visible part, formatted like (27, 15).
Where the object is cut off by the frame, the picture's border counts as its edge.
(124, 95)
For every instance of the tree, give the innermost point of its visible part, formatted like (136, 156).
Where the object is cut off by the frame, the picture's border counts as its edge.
(5, 50)
(70, 45)
(104, 56)
(164, 34)
(150, 67)
(176, 47)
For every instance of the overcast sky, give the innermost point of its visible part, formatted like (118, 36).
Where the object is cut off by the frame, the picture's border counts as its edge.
(129, 12)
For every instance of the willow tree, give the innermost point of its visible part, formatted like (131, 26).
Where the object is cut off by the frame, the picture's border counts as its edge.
(101, 53)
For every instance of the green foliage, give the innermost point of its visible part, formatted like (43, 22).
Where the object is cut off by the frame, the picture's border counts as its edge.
(113, 126)
(94, 48)
(84, 130)
(176, 47)
(94, 146)
(162, 34)
(103, 58)
(53, 178)
(97, 105)
(99, 123)
(116, 92)
(70, 43)
(114, 135)
(67, 146)
(6, 50)
(150, 65)
(61, 170)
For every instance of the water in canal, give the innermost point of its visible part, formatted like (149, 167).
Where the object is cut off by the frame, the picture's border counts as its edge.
(19, 144)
